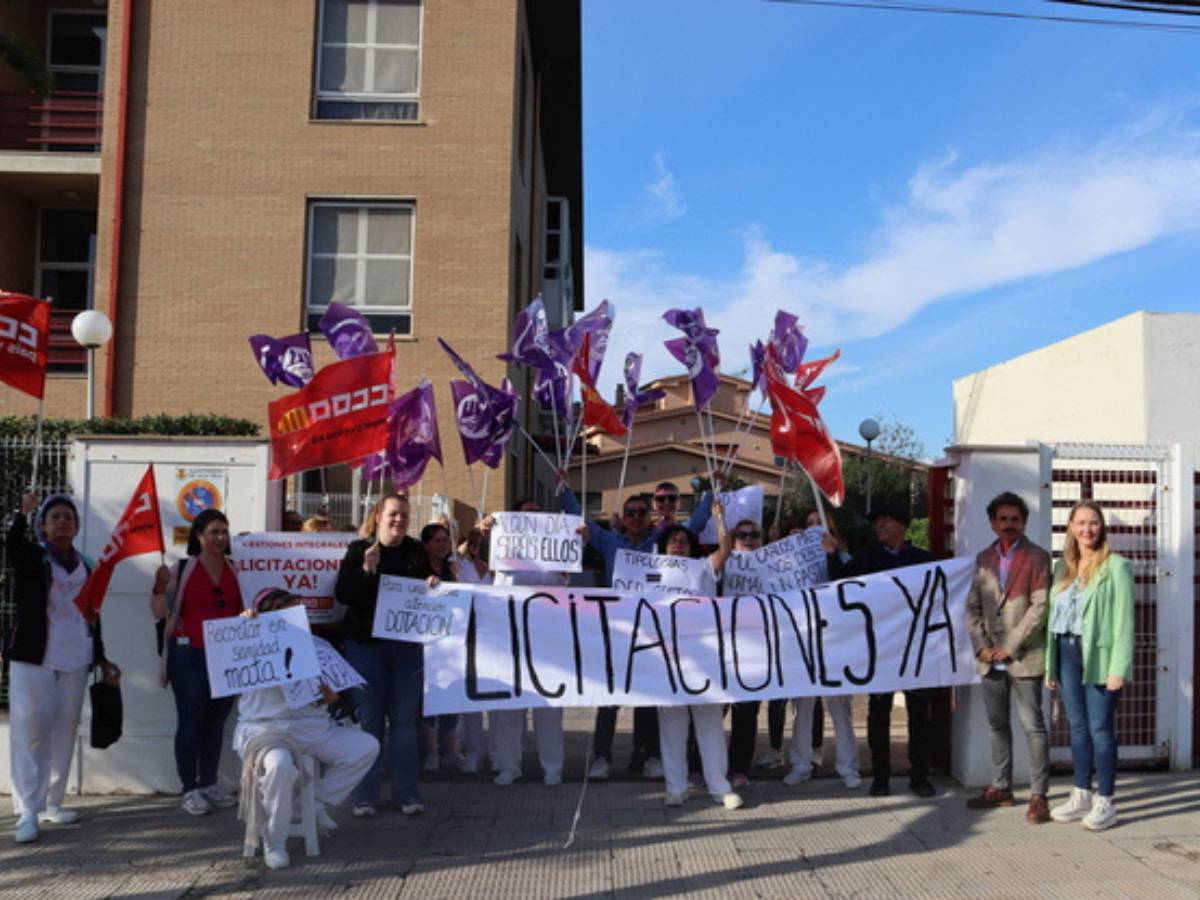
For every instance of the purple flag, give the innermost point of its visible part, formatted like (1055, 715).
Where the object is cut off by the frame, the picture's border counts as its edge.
(697, 350)
(412, 435)
(634, 397)
(598, 323)
(287, 359)
(758, 358)
(788, 340)
(348, 331)
(375, 466)
(547, 352)
(485, 425)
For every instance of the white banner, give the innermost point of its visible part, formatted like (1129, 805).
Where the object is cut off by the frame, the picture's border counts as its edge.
(536, 542)
(247, 654)
(744, 503)
(654, 575)
(302, 563)
(528, 647)
(407, 609)
(336, 674)
(791, 564)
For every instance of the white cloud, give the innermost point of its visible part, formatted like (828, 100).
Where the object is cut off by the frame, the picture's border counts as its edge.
(661, 202)
(959, 229)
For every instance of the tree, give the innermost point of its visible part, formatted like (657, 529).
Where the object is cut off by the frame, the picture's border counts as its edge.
(22, 58)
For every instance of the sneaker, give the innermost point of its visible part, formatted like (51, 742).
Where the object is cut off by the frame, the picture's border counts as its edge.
(740, 781)
(730, 801)
(506, 778)
(1103, 814)
(880, 786)
(217, 798)
(1038, 812)
(599, 769)
(27, 830)
(921, 787)
(769, 760)
(470, 764)
(676, 799)
(552, 779)
(652, 768)
(412, 807)
(364, 810)
(56, 815)
(1078, 804)
(195, 804)
(431, 763)
(818, 756)
(797, 776)
(990, 798)
(324, 819)
(276, 857)
(853, 781)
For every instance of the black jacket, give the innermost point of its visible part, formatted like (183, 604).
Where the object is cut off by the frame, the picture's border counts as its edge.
(26, 640)
(877, 559)
(357, 590)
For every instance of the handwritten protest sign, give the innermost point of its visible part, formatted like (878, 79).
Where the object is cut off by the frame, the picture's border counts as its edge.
(407, 609)
(302, 563)
(536, 542)
(336, 674)
(526, 647)
(791, 564)
(245, 654)
(654, 575)
(744, 503)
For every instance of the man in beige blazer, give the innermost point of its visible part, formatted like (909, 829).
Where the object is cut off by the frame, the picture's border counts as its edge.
(1006, 615)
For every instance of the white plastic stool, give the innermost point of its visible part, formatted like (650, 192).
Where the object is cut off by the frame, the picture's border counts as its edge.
(306, 825)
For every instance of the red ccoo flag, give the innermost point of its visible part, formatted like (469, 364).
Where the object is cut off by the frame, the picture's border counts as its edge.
(24, 342)
(139, 531)
(596, 412)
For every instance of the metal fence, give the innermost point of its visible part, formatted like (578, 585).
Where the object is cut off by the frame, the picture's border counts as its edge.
(16, 468)
(339, 507)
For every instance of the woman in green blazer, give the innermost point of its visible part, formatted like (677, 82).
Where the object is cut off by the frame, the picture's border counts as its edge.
(1089, 658)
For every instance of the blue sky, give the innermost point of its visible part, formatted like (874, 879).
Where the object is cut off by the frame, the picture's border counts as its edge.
(933, 194)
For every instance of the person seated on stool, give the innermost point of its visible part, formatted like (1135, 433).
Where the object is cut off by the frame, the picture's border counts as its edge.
(344, 753)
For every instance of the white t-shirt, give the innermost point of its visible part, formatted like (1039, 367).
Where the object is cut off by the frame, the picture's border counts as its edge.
(68, 640)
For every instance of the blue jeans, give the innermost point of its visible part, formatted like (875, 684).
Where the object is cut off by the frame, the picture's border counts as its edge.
(1091, 713)
(200, 730)
(394, 671)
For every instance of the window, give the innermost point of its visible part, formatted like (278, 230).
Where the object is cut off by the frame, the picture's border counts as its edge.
(360, 254)
(368, 59)
(66, 259)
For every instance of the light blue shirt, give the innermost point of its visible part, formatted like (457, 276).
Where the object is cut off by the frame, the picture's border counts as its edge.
(1067, 610)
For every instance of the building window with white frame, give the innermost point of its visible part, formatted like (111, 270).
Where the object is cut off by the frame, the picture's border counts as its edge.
(368, 59)
(360, 254)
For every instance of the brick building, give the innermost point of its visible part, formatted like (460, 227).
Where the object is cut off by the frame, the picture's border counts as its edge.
(207, 171)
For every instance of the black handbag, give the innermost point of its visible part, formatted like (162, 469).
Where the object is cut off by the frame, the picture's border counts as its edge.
(107, 713)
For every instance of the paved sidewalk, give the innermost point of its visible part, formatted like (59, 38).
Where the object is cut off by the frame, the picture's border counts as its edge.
(477, 840)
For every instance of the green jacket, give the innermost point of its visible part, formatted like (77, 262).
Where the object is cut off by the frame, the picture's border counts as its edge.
(1107, 623)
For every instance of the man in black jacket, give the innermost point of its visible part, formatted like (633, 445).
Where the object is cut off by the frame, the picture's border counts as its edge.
(893, 552)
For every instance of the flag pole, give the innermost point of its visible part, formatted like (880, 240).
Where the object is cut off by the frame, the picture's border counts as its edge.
(540, 451)
(37, 444)
(624, 467)
(474, 491)
(779, 503)
(450, 521)
(583, 476)
(557, 438)
(818, 500)
(483, 493)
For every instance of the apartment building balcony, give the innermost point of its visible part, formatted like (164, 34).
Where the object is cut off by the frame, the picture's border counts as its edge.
(64, 122)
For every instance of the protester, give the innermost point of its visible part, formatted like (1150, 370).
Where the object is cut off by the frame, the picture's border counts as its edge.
(272, 739)
(743, 717)
(507, 726)
(677, 540)
(392, 669)
(202, 586)
(440, 733)
(893, 552)
(49, 651)
(473, 569)
(1006, 615)
(315, 524)
(1089, 659)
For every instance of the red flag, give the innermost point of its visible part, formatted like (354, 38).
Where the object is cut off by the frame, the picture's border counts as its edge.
(799, 434)
(339, 416)
(139, 531)
(808, 372)
(24, 342)
(596, 412)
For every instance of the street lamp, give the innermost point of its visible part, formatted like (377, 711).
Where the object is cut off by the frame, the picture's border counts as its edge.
(91, 329)
(869, 430)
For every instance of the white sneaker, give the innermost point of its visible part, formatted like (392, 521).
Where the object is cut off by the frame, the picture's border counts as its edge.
(730, 801)
(195, 804)
(853, 781)
(412, 807)
(676, 799)
(552, 779)
(276, 857)
(27, 830)
(1079, 803)
(818, 756)
(364, 810)
(797, 776)
(470, 764)
(652, 768)
(769, 760)
(506, 778)
(599, 769)
(324, 819)
(57, 815)
(1103, 814)
(217, 798)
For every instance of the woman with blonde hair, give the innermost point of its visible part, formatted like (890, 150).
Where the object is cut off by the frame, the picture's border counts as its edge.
(1089, 658)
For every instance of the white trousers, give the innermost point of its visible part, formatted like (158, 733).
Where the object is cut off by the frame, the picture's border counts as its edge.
(507, 729)
(44, 706)
(344, 755)
(474, 742)
(710, 738)
(839, 710)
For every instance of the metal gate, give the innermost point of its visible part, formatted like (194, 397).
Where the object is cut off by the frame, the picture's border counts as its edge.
(1128, 482)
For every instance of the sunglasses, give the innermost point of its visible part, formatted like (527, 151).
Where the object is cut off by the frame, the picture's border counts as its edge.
(666, 498)
(747, 535)
(637, 513)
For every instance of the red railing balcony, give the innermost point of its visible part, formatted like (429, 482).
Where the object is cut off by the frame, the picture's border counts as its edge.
(64, 121)
(64, 354)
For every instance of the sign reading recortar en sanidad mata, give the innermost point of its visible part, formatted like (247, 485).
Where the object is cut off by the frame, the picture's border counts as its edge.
(246, 654)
